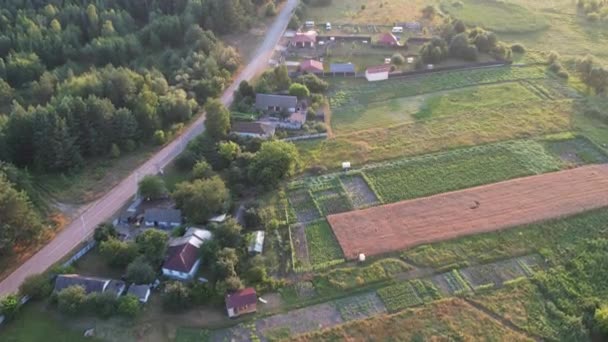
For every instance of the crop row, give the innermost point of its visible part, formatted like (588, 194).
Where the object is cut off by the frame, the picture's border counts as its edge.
(457, 285)
(399, 296)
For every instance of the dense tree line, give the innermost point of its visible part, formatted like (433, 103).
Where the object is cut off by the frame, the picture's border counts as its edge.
(94, 78)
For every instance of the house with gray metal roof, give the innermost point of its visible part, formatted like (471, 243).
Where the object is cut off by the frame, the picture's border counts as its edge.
(276, 103)
(342, 68)
(141, 292)
(90, 284)
(163, 218)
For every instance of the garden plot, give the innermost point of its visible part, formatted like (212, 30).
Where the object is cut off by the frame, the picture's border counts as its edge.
(305, 290)
(509, 270)
(531, 264)
(399, 296)
(481, 276)
(360, 306)
(330, 202)
(299, 321)
(303, 205)
(359, 192)
(577, 151)
(299, 246)
(451, 283)
(323, 248)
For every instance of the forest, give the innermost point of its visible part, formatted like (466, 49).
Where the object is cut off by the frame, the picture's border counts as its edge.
(94, 79)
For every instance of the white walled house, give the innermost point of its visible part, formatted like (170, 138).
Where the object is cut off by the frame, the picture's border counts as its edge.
(182, 260)
(377, 73)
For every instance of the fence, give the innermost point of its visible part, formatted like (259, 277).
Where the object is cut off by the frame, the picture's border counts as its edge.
(84, 250)
(307, 137)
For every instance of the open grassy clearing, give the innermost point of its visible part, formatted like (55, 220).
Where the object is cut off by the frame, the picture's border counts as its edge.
(444, 320)
(379, 12)
(495, 15)
(483, 248)
(459, 169)
(529, 119)
(322, 245)
(357, 104)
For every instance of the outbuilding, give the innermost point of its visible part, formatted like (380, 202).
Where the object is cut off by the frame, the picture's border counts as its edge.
(257, 242)
(342, 68)
(378, 73)
(311, 66)
(141, 292)
(254, 129)
(272, 103)
(163, 218)
(388, 39)
(241, 302)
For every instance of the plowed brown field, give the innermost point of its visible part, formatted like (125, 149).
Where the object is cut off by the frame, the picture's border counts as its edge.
(486, 208)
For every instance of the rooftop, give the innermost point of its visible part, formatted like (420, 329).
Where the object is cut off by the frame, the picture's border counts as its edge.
(311, 65)
(90, 284)
(140, 291)
(263, 101)
(378, 69)
(163, 215)
(181, 258)
(342, 67)
(305, 37)
(253, 128)
(241, 298)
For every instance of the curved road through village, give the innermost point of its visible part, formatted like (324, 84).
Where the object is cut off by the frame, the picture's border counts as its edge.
(103, 209)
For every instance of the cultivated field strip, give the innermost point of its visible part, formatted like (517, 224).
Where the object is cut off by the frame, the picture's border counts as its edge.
(487, 208)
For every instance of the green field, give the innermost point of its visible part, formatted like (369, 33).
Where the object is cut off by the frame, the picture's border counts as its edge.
(322, 244)
(376, 12)
(459, 169)
(399, 296)
(496, 15)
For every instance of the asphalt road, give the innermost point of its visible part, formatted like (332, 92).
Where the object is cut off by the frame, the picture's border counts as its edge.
(103, 209)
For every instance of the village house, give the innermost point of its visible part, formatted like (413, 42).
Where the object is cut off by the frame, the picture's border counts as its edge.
(141, 292)
(241, 302)
(388, 39)
(257, 242)
(182, 260)
(162, 218)
(311, 66)
(342, 68)
(377, 73)
(304, 39)
(270, 103)
(90, 284)
(254, 129)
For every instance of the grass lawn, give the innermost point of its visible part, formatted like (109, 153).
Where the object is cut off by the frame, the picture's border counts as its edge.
(378, 12)
(451, 319)
(459, 169)
(93, 264)
(495, 15)
(33, 324)
(513, 121)
(322, 244)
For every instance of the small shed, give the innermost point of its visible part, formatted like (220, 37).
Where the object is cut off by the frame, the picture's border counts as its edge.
(141, 292)
(311, 66)
(241, 302)
(218, 218)
(378, 73)
(257, 242)
(342, 68)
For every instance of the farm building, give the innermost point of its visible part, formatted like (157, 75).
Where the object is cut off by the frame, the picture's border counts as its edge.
(311, 66)
(90, 284)
(257, 242)
(276, 103)
(253, 129)
(342, 68)
(304, 39)
(241, 302)
(388, 39)
(378, 73)
(163, 218)
(141, 292)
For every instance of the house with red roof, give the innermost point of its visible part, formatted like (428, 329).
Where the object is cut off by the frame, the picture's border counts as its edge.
(182, 259)
(304, 39)
(388, 39)
(311, 66)
(377, 73)
(241, 302)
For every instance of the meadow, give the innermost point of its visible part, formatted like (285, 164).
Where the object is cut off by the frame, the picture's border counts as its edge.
(378, 12)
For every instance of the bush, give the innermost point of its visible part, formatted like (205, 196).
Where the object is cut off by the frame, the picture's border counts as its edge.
(9, 306)
(104, 232)
(397, 59)
(593, 17)
(117, 253)
(37, 286)
(176, 296)
(271, 9)
(601, 319)
(518, 48)
(71, 300)
(152, 187)
(159, 137)
(102, 304)
(129, 306)
(553, 57)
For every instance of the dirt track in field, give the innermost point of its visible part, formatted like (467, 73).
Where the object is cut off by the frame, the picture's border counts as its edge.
(486, 208)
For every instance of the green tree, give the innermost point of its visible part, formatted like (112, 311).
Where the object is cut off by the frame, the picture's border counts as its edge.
(37, 286)
(313, 83)
(129, 306)
(104, 232)
(601, 319)
(228, 233)
(201, 198)
(9, 305)
(72, 300)
(229, 150)
(275, 161)
(233, 283)
(159, 137)
(103, 304)
(202, 170)
(152, 243)
(299, 90)
(218, 119)
(152, 187)
(281, 76)
(176, 296)
(397, 59)
(227, 261)
(140, 272)
(117, 253)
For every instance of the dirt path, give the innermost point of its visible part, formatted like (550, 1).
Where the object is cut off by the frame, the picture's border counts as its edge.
(487, 208)
(507, 323)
